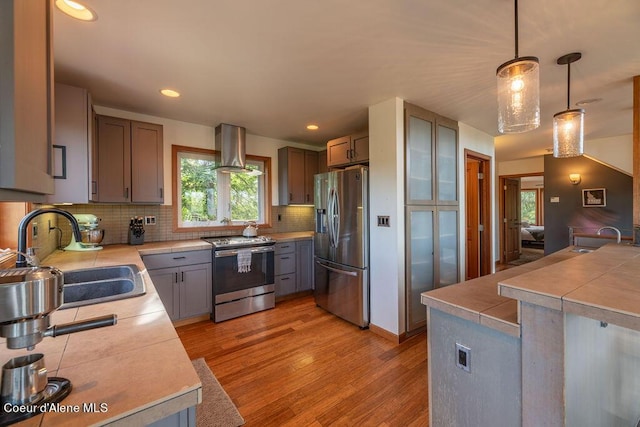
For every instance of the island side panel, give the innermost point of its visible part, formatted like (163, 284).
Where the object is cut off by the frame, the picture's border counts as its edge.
(490, 393)
(542, 332)
(602, 373)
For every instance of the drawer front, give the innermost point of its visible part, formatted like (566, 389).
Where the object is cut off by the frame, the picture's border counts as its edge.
(285, 284)
(285, 248)
(284, 264)
(176, 259)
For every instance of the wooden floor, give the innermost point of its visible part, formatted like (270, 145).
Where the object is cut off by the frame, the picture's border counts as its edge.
(297, 365)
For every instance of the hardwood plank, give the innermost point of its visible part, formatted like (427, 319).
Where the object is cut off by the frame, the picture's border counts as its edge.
(297, 365)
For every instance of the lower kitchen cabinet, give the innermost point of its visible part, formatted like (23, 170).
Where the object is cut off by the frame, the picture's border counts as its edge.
(183, 282)
(293, 267)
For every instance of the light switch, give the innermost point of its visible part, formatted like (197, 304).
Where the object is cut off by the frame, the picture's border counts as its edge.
(463, 357)
(555, 199)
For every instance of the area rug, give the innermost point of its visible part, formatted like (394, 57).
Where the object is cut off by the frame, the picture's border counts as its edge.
(216, 409)
(528, 255)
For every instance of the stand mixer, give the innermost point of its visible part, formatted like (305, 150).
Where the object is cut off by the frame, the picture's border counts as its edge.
(92, 235)
(28, 296)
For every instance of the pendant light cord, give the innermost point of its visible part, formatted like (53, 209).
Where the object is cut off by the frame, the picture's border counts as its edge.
(568, 85)
(516, 26)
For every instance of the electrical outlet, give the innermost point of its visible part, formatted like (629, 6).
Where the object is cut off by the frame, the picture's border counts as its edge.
(34, 229)
(150, 220)
(463, 357)
(383, 221)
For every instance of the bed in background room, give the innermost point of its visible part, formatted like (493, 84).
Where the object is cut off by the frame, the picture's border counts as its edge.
(532, 235)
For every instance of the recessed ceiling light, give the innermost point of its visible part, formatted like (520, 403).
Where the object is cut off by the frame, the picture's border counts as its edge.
(588, 101)
(170, 93)
(312, 127)
(76, 10)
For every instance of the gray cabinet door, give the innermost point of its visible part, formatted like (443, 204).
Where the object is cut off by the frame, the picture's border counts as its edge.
(195, 290)
(339, 151)
(165, 281)
(114, 160)
(147, 177)
(310, 169)
(304, 265)
(71, 145)
(360, 148)
(26, 91)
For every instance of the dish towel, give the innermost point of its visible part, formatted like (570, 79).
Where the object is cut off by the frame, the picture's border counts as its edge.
(244, 260)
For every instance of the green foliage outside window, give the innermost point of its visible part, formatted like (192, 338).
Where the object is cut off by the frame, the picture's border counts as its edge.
(209, 197)
(199, 189)
(528, 206)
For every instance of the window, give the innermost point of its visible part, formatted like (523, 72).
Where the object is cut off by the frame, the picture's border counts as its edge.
(204, 198)
(529, 206)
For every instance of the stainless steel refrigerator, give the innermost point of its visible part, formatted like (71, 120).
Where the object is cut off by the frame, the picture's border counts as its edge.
(341, 244)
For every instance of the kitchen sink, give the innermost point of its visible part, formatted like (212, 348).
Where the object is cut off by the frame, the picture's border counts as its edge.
(101, 284)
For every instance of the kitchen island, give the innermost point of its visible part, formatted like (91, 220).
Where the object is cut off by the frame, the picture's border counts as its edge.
(512, 348)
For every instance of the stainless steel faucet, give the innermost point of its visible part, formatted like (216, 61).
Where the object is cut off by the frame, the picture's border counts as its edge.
(608, 227)
(21, 261)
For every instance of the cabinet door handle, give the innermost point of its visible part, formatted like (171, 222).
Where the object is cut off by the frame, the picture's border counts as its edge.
(176, 277)
(353, 153)
(161, 196)
(348, 154)
(290, 196)
(126, 193)
(182, 276)
(94, 187)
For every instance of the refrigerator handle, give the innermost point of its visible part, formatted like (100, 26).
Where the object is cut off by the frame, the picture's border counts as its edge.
(336, 237)
(331, 218)
(337, 270)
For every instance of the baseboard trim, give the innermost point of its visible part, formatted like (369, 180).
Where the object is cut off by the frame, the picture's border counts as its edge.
(196, 319)
(397, 339)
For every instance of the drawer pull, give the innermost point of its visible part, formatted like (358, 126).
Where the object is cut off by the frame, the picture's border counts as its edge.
(179, 257)
(284, 257)
(284, 278)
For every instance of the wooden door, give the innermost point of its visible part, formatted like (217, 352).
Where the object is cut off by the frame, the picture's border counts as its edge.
(146, 163)
(511, 219)
(295, 175)
(472, 190)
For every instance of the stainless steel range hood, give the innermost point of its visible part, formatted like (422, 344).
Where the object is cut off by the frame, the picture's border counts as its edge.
(230, 142)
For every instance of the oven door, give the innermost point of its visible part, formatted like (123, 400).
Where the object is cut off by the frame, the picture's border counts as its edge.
(227, 278)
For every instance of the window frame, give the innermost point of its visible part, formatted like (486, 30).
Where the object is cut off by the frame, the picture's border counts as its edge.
(175, 149)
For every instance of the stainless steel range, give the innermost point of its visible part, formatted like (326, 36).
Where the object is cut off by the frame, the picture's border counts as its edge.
(243, 280)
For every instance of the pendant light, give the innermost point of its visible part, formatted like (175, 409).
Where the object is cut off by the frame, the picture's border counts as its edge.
(518, 91)
(568, 126)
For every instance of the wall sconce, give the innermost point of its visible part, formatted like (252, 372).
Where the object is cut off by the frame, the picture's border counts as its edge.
(575, 178)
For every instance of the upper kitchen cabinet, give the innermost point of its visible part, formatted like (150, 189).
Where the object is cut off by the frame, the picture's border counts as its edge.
(296, 168)
(72, 145)
(431, 158)
(26, 100)
(129, 161)
(348, 150)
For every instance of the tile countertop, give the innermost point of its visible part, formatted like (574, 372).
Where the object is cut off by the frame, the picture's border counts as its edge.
(477, 300)
(602, 285)
(138, 368)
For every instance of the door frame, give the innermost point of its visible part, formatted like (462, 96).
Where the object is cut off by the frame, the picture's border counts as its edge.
(484, 195)
(501, 182)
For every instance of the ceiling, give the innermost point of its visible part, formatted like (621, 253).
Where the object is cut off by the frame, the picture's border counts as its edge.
(276, 66)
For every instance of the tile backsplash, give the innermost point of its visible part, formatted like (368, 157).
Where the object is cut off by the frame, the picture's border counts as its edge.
(115, 221)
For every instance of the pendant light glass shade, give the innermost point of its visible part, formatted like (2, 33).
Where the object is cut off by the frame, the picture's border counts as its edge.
(568, 131)
(568, 125)
(519, 95)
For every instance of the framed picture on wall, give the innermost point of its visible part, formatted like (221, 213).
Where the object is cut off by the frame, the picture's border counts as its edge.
(594, 197)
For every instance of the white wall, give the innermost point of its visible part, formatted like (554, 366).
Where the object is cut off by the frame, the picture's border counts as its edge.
(529, 165)
(472, 139)
(193, 135)
(616, 151)
(386, 195)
